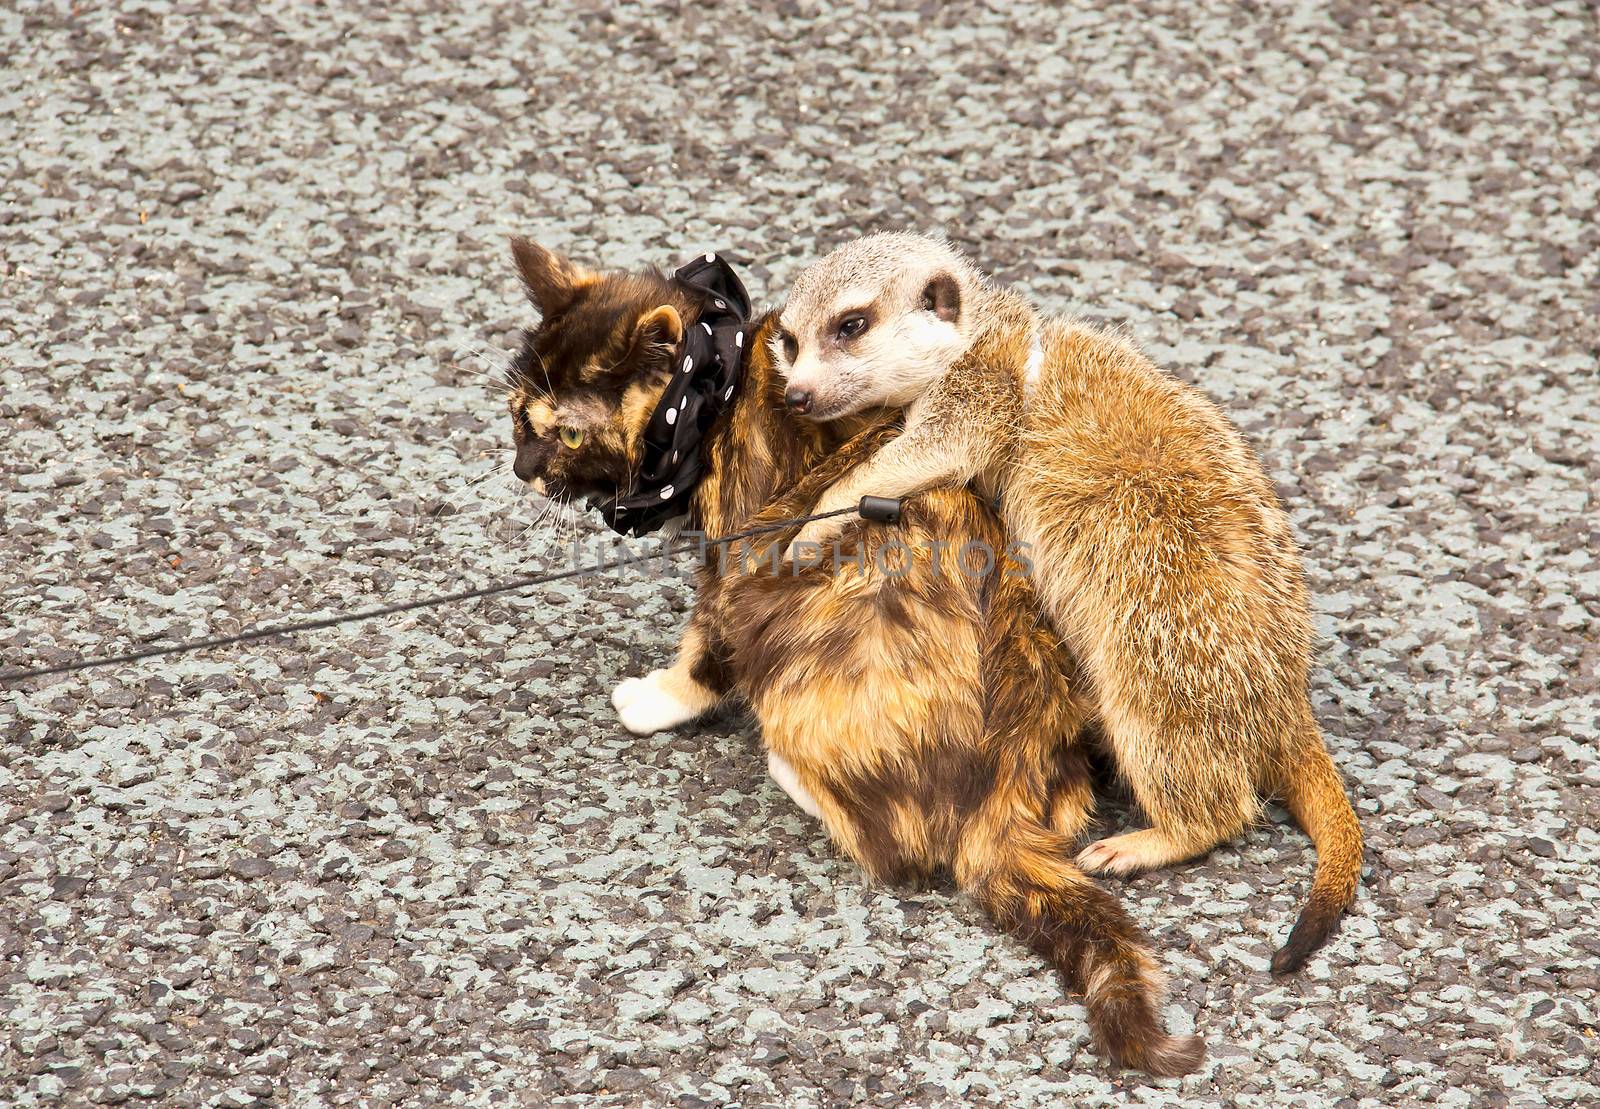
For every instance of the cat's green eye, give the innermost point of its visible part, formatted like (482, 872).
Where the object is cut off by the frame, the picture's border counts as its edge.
(571, 437)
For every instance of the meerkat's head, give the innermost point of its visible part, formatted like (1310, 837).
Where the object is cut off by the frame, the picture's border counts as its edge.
(874, 324)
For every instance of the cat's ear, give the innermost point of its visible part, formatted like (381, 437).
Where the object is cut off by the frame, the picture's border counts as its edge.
(655, 337)
(552, 280)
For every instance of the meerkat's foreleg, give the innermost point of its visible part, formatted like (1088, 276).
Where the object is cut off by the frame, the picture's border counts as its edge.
(928, 454)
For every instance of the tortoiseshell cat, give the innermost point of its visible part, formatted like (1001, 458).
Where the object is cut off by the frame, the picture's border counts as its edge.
(923, 715)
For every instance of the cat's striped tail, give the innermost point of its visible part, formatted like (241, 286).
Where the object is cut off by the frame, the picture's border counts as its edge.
(1022, 875)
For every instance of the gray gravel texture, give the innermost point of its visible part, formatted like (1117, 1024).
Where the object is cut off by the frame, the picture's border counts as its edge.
(253, 261)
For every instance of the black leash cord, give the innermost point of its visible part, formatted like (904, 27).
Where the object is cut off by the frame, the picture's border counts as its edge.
(870, 512)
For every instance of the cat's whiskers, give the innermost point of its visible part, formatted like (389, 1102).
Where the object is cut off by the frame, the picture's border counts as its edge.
(487, 381)
(494, 356)
(573, 520)
(564, 523)
(501, 466)
(550, 390)
(555, 520)
(499, 376)
(475, 485)
(481, 493)
(544, 514)
(495, 382)
(552, 520)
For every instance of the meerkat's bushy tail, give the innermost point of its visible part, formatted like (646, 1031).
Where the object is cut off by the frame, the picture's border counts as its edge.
(1314, 795)
(1022, 875)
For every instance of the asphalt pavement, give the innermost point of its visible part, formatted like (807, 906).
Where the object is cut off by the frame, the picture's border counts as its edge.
(253, 272)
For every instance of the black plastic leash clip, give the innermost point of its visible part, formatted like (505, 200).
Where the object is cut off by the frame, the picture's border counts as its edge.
(880, 510)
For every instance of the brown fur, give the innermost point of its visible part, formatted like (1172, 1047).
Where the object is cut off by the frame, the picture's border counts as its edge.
(925, 714)
(1173, 572)
(1159, 548)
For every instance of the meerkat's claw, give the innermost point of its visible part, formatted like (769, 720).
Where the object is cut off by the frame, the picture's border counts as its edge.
(807, 545)
(1129, 853)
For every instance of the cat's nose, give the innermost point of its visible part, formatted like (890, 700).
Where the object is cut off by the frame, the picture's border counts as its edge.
(528, 460)
(798, 400)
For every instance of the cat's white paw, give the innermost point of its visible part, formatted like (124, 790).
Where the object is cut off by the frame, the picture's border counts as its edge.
(626, 693)
(647, 704)
(783, 773)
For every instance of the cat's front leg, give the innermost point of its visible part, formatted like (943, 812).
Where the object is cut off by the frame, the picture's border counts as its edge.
(668, 697)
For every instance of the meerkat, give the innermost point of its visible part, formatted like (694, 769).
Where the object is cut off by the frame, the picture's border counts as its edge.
(1158, 546)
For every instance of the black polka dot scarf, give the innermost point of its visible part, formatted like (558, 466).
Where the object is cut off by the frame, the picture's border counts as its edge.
(704, 378)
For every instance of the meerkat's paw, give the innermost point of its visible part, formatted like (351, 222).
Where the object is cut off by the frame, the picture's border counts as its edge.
(1130, 853)
(810, 545)
(648, 704)
(784, 774)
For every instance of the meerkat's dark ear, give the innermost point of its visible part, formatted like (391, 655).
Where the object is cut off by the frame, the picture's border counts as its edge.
(552, 280)
(942, 297)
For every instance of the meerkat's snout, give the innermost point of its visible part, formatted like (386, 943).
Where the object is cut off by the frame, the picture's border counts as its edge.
(810, 377)
(818, 386)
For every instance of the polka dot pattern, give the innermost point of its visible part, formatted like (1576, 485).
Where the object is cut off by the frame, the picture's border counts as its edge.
(708, 367)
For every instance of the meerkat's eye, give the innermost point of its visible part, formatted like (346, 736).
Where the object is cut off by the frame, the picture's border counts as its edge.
(852, 326)
(571, 437)
(791, 346)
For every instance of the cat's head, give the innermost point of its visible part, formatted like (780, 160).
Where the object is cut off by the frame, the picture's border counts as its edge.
(588, 377)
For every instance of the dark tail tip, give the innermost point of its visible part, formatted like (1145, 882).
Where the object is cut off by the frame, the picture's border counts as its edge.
(1317, 922)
